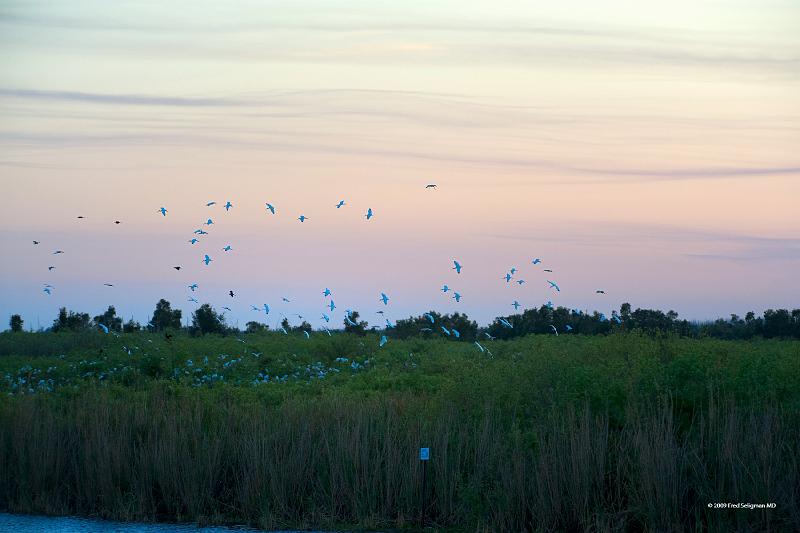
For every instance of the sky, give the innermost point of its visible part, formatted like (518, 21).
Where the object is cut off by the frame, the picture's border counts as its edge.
(648, 149)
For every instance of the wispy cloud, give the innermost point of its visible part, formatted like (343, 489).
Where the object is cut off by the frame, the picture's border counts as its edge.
(669, 174)
(370, 37)
(716, 245)
(305, 120)
(124, 99)
(268, 139)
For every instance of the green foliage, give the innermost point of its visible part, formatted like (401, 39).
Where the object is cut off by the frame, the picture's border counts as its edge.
(164, 317)
(152, 366)
(256, 327)
(15, 323)
(625, 431)
(779, 323)
(70, 321)
(109, 319)
(352, 324)
(458, 326)
(206, 320)
(131, 326)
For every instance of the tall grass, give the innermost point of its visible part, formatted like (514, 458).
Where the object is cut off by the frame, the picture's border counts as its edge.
(619, 433)
(209, 455)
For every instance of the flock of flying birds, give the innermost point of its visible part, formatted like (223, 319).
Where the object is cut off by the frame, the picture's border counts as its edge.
(509, 277)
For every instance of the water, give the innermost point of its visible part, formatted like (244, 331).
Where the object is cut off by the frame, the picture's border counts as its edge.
(37, 524)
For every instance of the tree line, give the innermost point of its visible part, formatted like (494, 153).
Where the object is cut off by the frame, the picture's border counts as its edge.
(546, 319)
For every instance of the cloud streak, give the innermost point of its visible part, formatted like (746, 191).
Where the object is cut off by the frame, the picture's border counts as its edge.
(186, 139)
(118, 99)
(675, 174)
(721, 246)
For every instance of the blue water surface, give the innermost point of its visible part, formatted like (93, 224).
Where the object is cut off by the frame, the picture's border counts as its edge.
(16, 523)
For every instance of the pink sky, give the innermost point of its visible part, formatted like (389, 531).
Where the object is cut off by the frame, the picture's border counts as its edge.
(653, 157)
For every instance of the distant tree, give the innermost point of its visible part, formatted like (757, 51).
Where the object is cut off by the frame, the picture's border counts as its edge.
(777, 323)
(304, 326)
(131, 326)
(256, 327)
(71, 321)
(467, 329)
(360, 328)
(15, 323)
(408, 327)
(164, 317)
(207, 320)
(285, 324)
(109, 319)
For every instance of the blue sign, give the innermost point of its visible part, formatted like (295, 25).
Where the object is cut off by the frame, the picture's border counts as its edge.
(424, 454)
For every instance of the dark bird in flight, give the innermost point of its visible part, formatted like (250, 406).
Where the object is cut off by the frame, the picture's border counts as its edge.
(117, 222)
(226, 308)
(108, 284)
(51, 268)
(430, 186)
(177, 268)
(546, 270)
(58, 252)
(35, 242)
(231, 293)
(600, 292)
(80, 216)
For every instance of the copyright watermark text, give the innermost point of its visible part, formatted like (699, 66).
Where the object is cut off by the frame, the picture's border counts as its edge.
(729, 505)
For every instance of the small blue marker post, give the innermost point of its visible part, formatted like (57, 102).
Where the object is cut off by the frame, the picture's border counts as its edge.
(424, 456)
